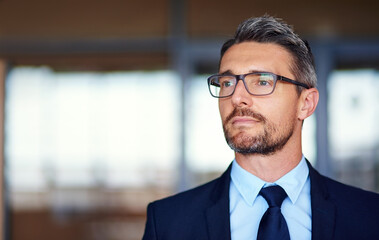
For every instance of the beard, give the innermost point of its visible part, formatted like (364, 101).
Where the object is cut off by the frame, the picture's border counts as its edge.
(266, 143)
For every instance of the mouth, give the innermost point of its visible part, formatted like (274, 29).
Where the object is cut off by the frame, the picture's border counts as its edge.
(243, 120)
(244, 117)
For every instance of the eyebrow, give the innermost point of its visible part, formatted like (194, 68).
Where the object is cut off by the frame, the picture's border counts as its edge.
(230, 72)
(227, 72)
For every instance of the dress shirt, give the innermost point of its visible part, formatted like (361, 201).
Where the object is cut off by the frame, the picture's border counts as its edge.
(247, 206)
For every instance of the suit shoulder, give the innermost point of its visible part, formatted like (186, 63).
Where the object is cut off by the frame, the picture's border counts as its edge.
(330, 188)
(351, 195)
(199, 193)
(183, 216)
(202, 195)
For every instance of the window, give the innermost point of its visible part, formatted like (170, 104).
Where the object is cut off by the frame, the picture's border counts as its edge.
(353, 128)
(89, 144)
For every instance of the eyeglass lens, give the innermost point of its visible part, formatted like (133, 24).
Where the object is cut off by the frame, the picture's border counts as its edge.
(257, 84)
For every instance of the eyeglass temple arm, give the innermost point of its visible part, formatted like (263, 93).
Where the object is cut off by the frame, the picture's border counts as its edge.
(293, 82)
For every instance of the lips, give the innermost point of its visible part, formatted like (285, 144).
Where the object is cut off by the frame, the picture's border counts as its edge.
(244, 116)
(243, 120)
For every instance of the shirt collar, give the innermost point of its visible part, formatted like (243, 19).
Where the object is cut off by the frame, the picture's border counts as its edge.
(249, 185)
(293, 182)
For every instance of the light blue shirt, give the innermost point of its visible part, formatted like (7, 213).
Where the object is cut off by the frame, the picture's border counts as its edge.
(247, 207)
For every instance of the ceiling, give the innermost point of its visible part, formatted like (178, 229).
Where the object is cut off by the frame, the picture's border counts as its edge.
(31, 31)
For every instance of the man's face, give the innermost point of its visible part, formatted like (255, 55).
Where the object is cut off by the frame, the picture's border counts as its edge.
(258, 124)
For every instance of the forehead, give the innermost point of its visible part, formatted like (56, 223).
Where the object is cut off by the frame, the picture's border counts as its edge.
(253, 56)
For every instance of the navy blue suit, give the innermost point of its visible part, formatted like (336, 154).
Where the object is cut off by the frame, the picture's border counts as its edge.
(338, 212)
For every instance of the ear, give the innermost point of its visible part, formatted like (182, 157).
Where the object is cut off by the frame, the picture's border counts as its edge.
(307, 103)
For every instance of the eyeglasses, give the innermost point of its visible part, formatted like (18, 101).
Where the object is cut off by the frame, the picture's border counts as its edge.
(257, 83)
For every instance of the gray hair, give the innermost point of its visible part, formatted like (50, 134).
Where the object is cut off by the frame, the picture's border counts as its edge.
(267, 29)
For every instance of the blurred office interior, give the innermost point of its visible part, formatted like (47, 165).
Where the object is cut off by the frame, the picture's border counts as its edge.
(105, 107)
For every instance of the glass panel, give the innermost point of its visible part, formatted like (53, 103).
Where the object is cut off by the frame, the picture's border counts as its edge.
(353, 128)
(208, 152)
(309, 139)
(87, 149)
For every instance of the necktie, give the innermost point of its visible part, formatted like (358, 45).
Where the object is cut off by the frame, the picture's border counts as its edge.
(273, 226)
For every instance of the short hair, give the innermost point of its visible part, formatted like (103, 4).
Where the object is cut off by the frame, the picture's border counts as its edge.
(267, 29)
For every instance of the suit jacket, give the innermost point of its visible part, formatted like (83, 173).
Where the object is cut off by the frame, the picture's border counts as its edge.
(338, 212)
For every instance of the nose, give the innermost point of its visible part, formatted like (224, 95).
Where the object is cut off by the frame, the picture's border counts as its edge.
(241, 97)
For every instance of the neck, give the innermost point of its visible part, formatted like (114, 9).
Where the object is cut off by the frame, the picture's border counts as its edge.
(270, 168)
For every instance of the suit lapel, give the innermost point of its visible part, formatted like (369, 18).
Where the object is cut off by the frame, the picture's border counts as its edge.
(323, 210)
(217, 214)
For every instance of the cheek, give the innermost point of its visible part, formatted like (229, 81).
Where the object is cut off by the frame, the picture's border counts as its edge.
(223, 109)
(280, 114)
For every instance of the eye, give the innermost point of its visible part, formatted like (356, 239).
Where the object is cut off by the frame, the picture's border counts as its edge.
(263, 83)
(226, 82)
(265, 80)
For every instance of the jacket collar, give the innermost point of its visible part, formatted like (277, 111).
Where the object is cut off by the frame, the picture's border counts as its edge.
(323, 210)
(217, 218)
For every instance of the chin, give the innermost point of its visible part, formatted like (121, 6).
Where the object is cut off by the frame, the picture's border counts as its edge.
(242, 138)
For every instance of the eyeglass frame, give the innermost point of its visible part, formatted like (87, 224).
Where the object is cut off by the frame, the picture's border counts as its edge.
(242, 78)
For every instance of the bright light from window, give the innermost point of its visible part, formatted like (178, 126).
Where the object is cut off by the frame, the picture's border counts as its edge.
(83, 129)
(207, 148)
(353, 112)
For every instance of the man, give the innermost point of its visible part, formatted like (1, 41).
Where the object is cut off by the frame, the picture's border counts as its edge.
(266, 88)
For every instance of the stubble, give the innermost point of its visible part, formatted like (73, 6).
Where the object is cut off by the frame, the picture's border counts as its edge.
(272, 138)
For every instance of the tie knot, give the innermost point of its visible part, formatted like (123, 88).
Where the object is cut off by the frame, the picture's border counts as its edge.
(274, 195)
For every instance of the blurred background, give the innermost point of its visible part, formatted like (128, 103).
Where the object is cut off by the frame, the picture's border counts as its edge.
(104, 105)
